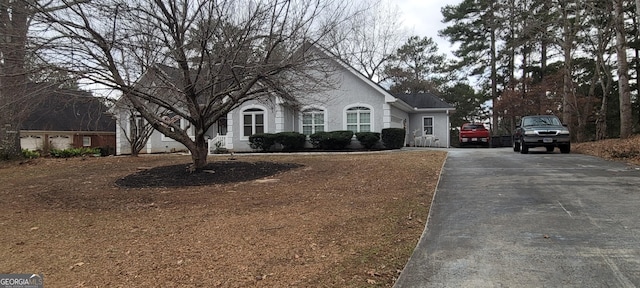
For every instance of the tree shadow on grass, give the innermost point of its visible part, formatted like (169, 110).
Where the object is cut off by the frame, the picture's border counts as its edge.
(219, 172)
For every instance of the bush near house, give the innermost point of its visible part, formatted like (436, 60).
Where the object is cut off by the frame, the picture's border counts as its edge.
(393, 138)
(74, 152)
(291, 141)
(29, 154)
(368, 139)
(262, 141)
(334, 140)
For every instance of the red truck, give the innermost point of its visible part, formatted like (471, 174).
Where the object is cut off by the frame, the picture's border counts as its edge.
(474, 134)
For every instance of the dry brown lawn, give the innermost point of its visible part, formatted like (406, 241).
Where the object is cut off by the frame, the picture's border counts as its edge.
(342, 220)
(626, 150)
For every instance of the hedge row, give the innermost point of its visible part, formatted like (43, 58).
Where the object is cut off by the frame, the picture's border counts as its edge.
(392, 138)
(65, 153)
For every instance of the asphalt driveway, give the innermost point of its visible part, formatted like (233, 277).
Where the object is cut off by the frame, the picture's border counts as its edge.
(504, 219)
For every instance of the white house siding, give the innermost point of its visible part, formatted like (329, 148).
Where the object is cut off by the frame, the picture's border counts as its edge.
(350, 91)
(234, 129)
(157, 143)
(395, 118)
(440, 126)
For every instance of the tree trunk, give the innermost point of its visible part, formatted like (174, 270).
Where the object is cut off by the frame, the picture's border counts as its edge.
(543, 73)
(199, 154)
(13, 39)
(626, 117)
(10, 142)
(567, 46)
(494, 70)
(567, 87)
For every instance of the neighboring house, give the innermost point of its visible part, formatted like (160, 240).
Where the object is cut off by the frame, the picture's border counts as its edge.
(64, 119)
(353, 103)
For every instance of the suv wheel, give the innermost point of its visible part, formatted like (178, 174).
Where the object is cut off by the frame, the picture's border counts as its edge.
(524, 149)
(565, 149)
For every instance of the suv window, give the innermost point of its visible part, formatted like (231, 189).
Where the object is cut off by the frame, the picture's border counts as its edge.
(541, 121)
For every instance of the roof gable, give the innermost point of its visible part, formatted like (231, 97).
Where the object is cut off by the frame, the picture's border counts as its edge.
(387, 96)
(415, 101)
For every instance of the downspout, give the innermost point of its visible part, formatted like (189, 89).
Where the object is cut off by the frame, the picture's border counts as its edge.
(448, 131)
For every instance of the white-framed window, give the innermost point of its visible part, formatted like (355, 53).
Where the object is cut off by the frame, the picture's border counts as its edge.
(358, 118)
(427, 125)
(313, 120)
(86, 141)
(253, 121)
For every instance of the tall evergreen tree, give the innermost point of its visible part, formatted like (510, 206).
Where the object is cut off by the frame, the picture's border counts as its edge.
(475, 26)
(416, 67)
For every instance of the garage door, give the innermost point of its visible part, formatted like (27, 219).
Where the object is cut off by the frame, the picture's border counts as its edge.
(60, 142)
(31, 142)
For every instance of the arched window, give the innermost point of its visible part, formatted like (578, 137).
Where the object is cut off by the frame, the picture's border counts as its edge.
(359, 119)
(312, 121)
(252, 122)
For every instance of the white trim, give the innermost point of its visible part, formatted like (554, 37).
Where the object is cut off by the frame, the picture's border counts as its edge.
(279, 119)
(309, 107)
(265, 119)
(387, 118)
(149, 146)
(371, 116)
(229, 139)
(119, 136)
(433, 125)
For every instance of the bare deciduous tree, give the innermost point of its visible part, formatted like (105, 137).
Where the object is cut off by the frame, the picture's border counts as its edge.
(626, 117)
(221, 54)
(135, 129)
(18, 65)
(369, 39)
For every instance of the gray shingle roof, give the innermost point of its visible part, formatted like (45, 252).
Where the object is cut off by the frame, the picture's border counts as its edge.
(424, 101)
(69, 110)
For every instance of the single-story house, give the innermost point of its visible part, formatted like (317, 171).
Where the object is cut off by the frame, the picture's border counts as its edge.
(64, 118)
(353, 102)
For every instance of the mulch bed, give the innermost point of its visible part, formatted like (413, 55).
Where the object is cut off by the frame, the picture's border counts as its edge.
(218, 172)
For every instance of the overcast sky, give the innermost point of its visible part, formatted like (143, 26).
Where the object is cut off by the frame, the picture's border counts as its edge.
(423, 18)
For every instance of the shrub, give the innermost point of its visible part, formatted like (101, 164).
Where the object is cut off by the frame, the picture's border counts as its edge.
(291, 141)
(368, 139)
(262, 141)
(73, 152)
(335, 140)
(393, 138)
(30, 154)
(316, 139)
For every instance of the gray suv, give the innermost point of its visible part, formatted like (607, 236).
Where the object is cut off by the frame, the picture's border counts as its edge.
(541, 131)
